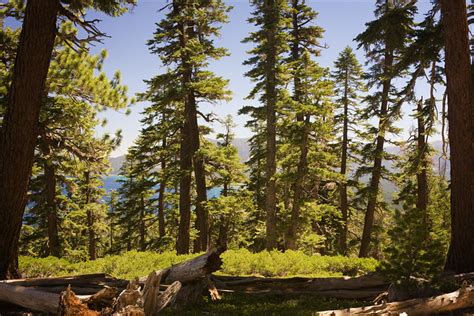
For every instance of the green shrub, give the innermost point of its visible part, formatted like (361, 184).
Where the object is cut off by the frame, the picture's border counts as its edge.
(44, 267)
(235, 262)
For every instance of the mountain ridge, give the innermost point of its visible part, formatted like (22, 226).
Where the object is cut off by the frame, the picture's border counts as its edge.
(243, 148)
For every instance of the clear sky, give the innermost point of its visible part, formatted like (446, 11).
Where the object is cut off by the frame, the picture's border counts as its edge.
(342, 20)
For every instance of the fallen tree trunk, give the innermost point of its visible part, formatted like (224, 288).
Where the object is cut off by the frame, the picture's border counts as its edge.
(365, 287)
(460, 299)
(317, 284)
(188, 281)
(98, 280)
(194, 269)
(29, 298)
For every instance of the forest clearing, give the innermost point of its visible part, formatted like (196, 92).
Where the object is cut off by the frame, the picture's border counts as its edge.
(227, 157)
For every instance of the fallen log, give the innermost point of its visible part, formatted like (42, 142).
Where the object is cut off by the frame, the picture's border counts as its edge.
(29, 298)
(188, 281)
(318, 284)
(365, 287)
(460, 299)
(71, 305)
(97, 280)
(195, 269)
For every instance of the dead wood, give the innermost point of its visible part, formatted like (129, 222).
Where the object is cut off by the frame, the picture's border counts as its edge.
(189, 280)
(102, 299)
(365, 287)
(29, 298)
(131, 296)
(71, 305)
(195, 269)
(89, 282)
(167, 297)
(460, 299)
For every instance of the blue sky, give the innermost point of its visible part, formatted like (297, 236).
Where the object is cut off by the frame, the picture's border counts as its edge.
(127, 52)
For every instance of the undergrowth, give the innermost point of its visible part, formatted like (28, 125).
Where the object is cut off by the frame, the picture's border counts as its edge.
(235, 262)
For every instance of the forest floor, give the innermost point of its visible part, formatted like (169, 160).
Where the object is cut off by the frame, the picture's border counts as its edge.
(134, 264)
(245, 304)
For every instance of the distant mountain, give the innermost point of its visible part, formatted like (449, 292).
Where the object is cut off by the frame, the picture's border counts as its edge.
(116, 163)
(242, 145)
(389, 189)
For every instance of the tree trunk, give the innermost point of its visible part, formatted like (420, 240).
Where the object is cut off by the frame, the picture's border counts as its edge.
(90, 218)
(189, 155)
(161, 198)
(461, 129)
(54, 247)
(344, 205)
(291, 236)
(142, 224)
(202, 217)
(111, 220)
(20, 125)
(446, 303)
(377, 169)
(422, 175)
(186, 150)
(29, 298)
(225, 221)
(271, 17)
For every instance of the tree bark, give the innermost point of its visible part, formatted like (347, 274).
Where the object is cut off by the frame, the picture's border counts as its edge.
(377, 168)
(186, 150)
(422, 175)
(344, 205)
(142, 224)
(461, 134)
(225, 220)
(92, 246)
(190, 157)
(460, 299)
(29, 298)
(291, 236)
(19, 132)
(161, 198)
(202, 216)
(51, 207)
(271, 17)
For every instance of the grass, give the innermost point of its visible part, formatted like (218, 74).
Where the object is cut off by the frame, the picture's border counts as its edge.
(241, 304)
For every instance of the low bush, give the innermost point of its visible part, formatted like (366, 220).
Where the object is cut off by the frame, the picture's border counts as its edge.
(235, 262)
(292, 263)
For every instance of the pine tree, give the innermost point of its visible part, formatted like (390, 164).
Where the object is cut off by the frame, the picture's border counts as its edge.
(460, 112)
(304, 42)
(159, 142)
(419, 242)
(267, 62)
(225, 171)
(66, 120)
(136, 204)
(383, 40)
(256, 173)
(24, 101)
(184, 41)
(348, 78)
